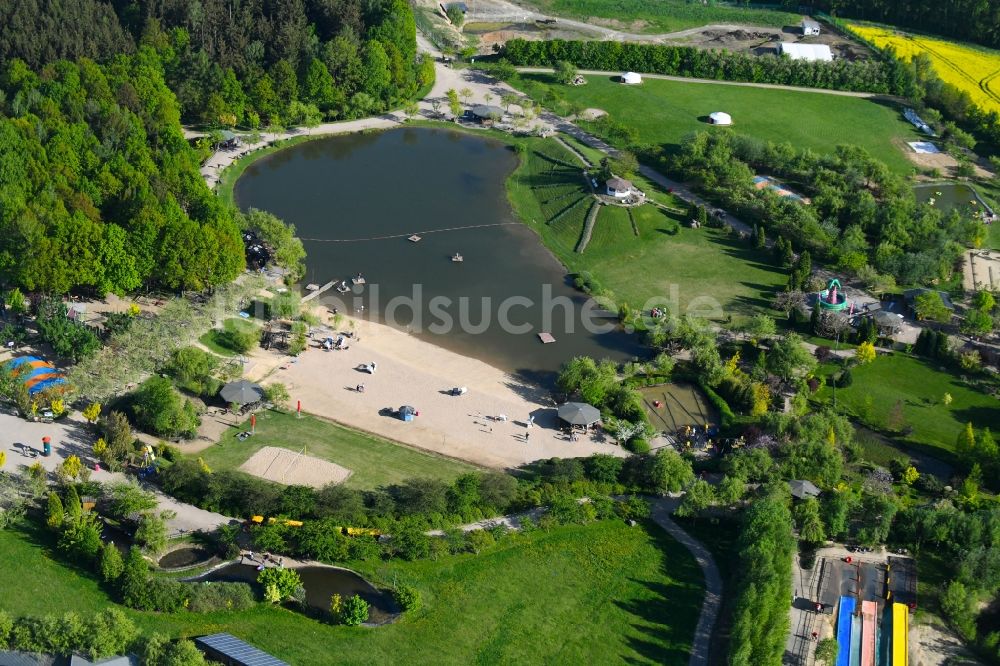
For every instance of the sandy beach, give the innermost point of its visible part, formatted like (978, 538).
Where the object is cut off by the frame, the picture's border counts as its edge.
(410, 371)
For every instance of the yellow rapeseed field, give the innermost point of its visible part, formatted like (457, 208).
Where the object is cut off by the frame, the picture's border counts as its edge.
(976, 70)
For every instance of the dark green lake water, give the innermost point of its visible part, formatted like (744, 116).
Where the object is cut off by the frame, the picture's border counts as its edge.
(400, 182)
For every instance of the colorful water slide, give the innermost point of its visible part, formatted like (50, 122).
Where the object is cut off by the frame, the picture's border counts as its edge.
(900, 635)
(844, 619)
(856, 640)
(868, 637)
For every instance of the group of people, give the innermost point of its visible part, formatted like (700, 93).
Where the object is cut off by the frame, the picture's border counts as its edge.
(266, 559)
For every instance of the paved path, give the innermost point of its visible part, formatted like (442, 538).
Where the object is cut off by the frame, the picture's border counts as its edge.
(662, 509)
(718, 82)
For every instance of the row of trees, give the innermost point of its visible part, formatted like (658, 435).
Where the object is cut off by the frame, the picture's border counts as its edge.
(760, 616)
(104, 634)
(882, 75)
(423, 502)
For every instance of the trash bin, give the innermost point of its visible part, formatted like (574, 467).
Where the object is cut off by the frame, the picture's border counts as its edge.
(46, 447)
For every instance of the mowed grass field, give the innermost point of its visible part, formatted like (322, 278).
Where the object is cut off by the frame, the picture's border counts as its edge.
(666, 258)
(664, 112)
(660, 15)
(601, 593)
(374, 461)
(974, 69)
(919, 386)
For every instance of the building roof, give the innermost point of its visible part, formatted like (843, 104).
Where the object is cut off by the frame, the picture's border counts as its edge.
(631, 77)
(579, 413)
(809, 23)
(802, 489)
(721, 118)
(227, 135)
(911, 295)
(619, 184)
(797, 51)
(16, 658)
(235, 651)
(887, 319)
(485, 111)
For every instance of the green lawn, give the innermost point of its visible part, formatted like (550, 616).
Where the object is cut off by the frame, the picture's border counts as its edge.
(601, 593)
(374, 461)
(920, 387)
(661, 15)
(664, 112)
(214, 343)
(549, 195)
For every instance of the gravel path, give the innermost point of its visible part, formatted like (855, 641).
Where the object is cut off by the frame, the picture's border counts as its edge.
(662, 509)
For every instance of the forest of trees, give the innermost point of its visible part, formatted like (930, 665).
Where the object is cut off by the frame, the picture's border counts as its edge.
(251, 62)
(99, 189)
(883, 75)
(970, 20)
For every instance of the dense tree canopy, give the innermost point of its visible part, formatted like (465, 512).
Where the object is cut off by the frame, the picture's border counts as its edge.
(99, 189)
(43, 31)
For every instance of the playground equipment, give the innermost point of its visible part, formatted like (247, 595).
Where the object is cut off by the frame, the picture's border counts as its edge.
(833, 298)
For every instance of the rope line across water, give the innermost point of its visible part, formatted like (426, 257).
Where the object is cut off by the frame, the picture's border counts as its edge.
(413, 233)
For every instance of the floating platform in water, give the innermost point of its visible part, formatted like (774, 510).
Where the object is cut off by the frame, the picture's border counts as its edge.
(414, 238)
(457, 257)
(358, 280)
(312, 286)
(546, 338)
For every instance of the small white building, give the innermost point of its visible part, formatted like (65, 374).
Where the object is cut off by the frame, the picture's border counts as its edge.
(720, 118)
(797, 51)
(631, 78)
(809, 27)
(618, 188)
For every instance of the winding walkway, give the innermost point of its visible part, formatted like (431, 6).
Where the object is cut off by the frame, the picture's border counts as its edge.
(662, 509)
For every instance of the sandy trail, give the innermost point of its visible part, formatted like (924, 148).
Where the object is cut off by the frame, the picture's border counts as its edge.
(411, 371)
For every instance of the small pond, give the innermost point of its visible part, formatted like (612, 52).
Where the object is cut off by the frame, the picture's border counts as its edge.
(185, 557)
(321, 583)
(355, 200)
(673, 406)
(951, 196)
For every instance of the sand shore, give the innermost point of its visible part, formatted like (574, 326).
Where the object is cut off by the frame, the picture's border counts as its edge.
(411, 371)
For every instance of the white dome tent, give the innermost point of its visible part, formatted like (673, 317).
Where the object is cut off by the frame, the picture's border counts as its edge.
(720, 118)
(631, 78)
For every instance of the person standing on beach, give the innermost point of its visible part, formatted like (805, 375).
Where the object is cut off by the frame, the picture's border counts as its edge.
(531, 420)
(527, 435)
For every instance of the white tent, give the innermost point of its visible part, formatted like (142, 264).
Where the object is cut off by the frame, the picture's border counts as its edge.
(797, 51)
(631, 78)
(720, 118)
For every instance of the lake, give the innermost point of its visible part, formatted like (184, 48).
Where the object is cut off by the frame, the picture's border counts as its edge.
(356, 199)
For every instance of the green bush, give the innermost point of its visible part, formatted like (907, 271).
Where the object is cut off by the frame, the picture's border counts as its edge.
(638, 445)
(159, 409)
(238, 341)
(279, 583)
(407, 597)
(354, 612)
(210, 597)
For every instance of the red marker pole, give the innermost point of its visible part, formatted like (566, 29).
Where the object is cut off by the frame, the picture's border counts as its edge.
(298, 408)
(253, 423)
